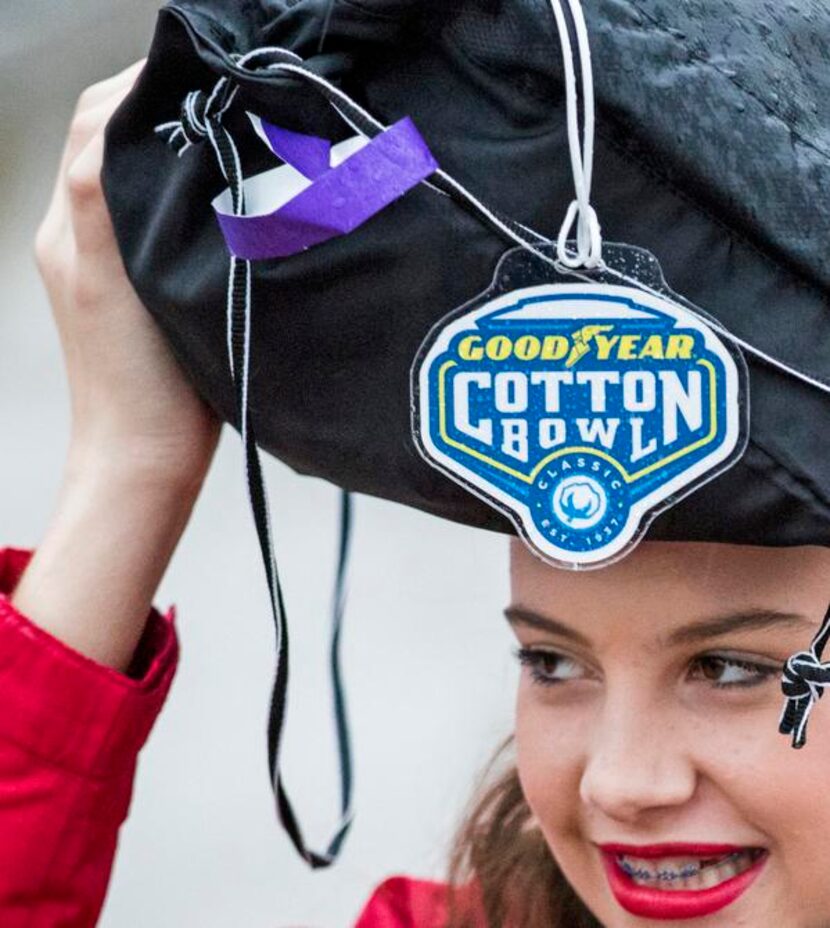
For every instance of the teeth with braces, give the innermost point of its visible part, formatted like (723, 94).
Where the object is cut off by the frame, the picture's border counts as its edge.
(667, 875)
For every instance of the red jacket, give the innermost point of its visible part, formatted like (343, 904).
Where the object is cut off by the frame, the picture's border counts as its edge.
(70, 733)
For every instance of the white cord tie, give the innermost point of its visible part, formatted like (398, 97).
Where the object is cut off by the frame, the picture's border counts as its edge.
(588, 236)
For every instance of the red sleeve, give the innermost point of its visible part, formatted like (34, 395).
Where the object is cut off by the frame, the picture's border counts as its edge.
(70, 731)
(402, 902)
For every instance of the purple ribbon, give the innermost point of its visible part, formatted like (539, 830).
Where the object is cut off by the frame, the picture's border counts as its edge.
(309, 154)
(339, 199)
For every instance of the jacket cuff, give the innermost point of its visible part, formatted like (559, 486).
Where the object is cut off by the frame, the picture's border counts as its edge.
(68, 709)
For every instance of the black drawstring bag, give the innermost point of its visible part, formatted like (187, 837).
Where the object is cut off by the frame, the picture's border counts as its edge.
(698, 159)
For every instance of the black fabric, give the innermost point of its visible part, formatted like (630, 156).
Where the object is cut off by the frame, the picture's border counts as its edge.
(702, 157)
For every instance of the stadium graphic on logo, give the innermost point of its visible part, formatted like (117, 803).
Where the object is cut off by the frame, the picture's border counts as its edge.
(580, 410)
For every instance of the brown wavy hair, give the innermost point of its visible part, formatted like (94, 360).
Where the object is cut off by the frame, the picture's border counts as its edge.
(500, 850)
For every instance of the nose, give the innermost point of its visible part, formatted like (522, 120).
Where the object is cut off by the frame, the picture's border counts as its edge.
(637, 764)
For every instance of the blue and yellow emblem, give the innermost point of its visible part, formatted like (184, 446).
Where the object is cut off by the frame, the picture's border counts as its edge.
(579, 409)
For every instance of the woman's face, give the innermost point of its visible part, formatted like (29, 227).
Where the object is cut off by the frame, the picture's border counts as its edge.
(647, 736)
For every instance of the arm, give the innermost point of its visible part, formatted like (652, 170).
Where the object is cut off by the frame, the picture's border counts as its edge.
(92, 580)
(85, 661)
(73, 616)
(70, 730)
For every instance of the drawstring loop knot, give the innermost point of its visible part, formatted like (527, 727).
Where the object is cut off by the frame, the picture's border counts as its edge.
(200, 112)
(588, 237)
(192, 116)
(803, 682)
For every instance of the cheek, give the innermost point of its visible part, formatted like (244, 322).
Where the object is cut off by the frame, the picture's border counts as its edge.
(782, 794)
(788, 792)
(548, 752)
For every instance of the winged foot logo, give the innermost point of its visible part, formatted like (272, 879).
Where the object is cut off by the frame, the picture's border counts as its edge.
(581, 410)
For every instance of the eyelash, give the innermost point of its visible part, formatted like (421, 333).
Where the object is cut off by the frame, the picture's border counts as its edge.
(760, 672)
(535, 659)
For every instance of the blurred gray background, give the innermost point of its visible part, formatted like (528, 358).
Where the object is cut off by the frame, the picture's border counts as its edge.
(427, 656)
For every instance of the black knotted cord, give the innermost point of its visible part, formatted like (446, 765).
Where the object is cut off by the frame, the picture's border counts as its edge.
(200, 119)
(803, 683)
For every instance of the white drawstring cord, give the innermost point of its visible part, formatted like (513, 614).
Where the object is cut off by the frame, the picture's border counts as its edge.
(713, 324)
(242, 60)
(564, 262)
(588, 237)
(588, 257)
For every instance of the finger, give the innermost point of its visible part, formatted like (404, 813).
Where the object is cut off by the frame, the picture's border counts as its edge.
(57, 212)
(91, 223)
(90, 111)
(90, 108)
(97, 93)
(55, 232)
(82, 130)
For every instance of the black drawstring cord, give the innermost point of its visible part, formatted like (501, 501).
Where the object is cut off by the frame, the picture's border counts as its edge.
(804, 677)
(803, 683)
(201, 117)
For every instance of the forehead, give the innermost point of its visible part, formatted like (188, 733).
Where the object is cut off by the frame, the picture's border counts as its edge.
(683, 579)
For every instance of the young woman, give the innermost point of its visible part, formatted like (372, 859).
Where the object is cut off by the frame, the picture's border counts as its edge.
(649, 784)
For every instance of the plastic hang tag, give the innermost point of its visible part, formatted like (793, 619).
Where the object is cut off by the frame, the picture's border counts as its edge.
(580, 403)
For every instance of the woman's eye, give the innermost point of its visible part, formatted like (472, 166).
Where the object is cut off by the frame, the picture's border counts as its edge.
(548, 667)
(721, 670)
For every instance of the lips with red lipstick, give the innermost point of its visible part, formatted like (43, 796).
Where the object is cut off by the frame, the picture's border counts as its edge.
(679, 881)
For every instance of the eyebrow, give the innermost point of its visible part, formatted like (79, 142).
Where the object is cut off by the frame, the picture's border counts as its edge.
(718, 626)
(518, 615)
(745, 621)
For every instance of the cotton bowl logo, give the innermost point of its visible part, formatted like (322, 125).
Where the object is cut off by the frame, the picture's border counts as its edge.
(580, 410)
